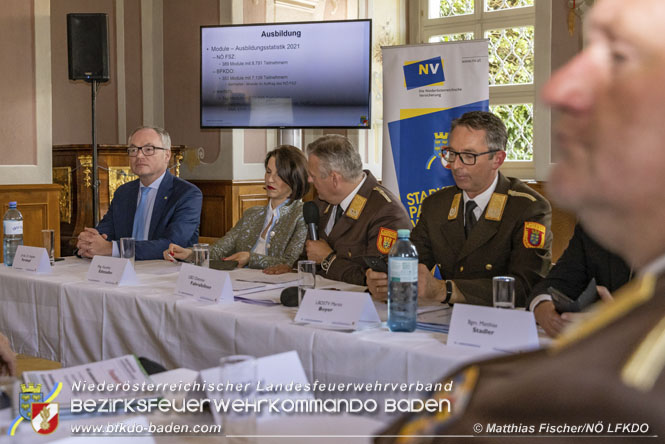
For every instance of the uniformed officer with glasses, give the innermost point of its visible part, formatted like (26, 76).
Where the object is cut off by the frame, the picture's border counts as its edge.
(156, 210)
(485, 225)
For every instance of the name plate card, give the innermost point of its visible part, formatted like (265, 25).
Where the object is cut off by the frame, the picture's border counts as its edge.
(205, 284)
(493, 328)
(34, 259)
(337, 309)
(278, 377)
(112, 270)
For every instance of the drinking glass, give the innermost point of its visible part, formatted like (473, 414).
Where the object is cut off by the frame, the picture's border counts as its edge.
(306, 278)
(48, 242)
(201, 255)
(241, 371)
(503, 291)
(128, 248)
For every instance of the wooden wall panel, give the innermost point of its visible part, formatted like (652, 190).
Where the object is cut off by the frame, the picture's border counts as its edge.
(224, 201)
(40, 209)
(246, 195)
(214, 215)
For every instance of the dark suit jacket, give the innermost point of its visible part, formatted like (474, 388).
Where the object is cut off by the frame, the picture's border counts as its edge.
(357, 234)
(583, 260)
(175, 216)
(499, 245)
(607, 369)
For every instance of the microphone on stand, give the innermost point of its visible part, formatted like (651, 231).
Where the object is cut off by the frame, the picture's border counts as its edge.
(311, 214)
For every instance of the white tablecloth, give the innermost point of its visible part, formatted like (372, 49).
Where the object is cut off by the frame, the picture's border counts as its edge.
(62, 317)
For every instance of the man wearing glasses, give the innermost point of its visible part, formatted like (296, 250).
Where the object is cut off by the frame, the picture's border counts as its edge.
(157, 209)
(486, 225)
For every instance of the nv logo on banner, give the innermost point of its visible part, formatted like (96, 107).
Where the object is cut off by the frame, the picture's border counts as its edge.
(424, 73)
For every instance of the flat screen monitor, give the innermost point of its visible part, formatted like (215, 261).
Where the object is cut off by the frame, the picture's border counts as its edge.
(286, 75)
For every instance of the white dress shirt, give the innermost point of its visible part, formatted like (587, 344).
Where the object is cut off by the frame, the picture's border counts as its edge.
(344, 204)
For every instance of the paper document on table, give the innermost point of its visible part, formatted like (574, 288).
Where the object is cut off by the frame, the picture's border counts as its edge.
(251, 275)
(436, 319)
(439, 316)
(105, 378)
(165, 270)
(240, 287)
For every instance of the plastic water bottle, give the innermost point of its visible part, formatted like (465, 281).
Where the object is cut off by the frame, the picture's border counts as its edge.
(402, 284)
(13, 233)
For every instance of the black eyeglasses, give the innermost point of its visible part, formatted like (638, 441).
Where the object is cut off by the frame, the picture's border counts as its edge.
(466, 158)
(147, 150)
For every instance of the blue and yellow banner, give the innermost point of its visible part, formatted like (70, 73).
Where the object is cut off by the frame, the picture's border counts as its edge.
(426, 87)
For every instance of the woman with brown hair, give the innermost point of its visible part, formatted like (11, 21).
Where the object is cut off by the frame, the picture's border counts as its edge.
(269, 235)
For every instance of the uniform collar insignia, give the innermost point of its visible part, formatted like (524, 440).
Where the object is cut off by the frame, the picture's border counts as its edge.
(454, 208)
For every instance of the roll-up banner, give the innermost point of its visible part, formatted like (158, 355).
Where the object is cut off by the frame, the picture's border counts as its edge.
(425, 88)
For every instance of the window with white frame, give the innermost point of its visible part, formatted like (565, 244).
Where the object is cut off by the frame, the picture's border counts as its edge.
(510, 28)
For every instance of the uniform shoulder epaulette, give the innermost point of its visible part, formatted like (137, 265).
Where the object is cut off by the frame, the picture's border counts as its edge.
(383, 193)
(356, 206)
(496, 206)
(521, 194)
(647, 362)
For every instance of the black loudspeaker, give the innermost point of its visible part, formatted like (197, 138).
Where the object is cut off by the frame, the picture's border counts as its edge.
(88, 46)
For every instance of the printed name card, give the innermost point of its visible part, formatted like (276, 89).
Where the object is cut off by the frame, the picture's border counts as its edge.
(337, 309)
(112, 270)
(278, 377)
(205, 284)
(493, 328)
(34, 259)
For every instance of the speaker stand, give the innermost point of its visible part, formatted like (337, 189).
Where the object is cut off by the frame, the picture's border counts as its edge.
(95, 172)
(291, 136)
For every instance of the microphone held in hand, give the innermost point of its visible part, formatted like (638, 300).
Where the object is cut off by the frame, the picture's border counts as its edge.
(311, 214)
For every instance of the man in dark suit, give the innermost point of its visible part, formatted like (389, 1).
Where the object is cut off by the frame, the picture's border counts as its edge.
(358, 217)
(486, 225)
(583, 260)
(607, 371)
(157, 209)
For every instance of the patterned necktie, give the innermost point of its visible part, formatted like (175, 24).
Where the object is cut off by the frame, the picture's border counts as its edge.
(138, 232)
(469, 217)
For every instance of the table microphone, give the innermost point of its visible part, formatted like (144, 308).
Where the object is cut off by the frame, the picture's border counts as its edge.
(311, 214)
(289, 297)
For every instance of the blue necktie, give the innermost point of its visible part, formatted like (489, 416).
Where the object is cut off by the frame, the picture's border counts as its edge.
(140, 216)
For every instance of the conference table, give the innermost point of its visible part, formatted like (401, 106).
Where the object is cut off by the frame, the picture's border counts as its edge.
(63, 317)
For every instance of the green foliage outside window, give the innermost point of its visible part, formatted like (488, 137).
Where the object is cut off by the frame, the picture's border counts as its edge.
(511, 61)
(519, 124)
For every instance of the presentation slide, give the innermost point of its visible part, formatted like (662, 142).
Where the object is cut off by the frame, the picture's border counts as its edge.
(286, 75)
